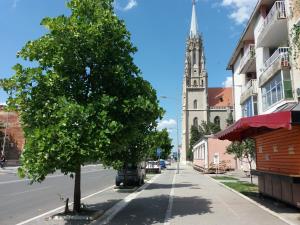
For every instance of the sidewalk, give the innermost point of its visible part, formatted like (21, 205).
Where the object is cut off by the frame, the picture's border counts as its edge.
(198, 197)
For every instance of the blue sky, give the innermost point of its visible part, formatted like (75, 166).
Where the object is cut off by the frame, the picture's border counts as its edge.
(159, 29)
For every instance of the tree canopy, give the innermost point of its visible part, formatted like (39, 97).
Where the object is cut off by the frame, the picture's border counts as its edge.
(83, 98)
(161, 139)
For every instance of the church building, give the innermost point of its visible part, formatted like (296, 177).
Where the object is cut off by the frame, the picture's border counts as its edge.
(199, 102)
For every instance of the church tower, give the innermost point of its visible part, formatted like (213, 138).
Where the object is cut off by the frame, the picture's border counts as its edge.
(194, 91)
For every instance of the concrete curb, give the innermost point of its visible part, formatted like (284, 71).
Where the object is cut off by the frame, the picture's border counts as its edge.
(253, 202)
(110, 213)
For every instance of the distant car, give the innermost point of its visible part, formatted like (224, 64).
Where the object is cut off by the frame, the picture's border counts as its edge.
(135, 175)
(162, 164)
(168, 162)
(153, 167)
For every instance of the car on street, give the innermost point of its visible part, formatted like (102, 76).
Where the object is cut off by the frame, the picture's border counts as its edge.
(131, 175)
(162, 164)
(153, 167)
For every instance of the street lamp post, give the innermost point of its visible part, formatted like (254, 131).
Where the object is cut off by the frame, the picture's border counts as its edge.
(177, 130)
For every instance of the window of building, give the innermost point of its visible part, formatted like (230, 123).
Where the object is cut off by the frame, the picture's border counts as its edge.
(248, 108)
(278, 88)
(221, 99)
(202, 83)
(195, 122)
(195, 104)
(217, 120)
(195, 83)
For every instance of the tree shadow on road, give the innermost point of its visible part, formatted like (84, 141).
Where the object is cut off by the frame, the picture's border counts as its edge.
(151, 210)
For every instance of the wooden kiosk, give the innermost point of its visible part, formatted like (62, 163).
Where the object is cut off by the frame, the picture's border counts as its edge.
(277, 139)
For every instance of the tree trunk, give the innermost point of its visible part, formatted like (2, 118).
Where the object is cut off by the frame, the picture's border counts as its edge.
(250, 165)
(251, 173)
(77, 191)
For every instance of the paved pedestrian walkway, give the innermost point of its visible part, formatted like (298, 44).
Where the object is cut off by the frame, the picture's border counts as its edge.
(190, 198)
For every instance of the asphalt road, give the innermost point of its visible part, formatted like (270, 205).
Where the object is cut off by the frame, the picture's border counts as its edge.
(20, 201)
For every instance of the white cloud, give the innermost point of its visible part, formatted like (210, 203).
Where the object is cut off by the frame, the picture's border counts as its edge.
(227, 82)
(168, 124)
(131, 4)
(240, 9)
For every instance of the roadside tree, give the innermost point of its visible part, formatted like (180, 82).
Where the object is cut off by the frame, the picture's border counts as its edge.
(83, 98)
(160, 139)
(243, 150)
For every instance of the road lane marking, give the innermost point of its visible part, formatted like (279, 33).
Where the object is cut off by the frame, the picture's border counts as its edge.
(51, 176)
(62, 207)
(170, 205)
(110, 214)
(32, 190)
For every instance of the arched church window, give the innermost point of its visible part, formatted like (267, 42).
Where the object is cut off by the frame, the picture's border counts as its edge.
(202, 83)
(217, 120)
(195, 122)
(195, 83)
(195, 104)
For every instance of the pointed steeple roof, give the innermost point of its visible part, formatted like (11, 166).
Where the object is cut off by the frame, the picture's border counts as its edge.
(194, 24)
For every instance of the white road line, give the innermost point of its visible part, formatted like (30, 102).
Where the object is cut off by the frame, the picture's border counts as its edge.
(51, 176)
(61, 207)
(110, 214)
(170, 205)
(31, 190)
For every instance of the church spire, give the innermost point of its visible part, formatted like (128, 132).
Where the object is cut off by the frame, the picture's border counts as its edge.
(194, 24)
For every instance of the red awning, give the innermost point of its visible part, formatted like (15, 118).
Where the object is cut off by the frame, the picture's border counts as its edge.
(251, 126)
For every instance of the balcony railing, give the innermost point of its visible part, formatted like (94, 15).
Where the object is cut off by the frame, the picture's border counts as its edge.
(249, 54)
(279, 60)
(281, 54)
(277, 12)
(248, 90)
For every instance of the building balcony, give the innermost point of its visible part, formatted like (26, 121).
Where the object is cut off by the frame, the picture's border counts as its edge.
(247, 63)
(278, 61)
(274, 29)
(249, 90)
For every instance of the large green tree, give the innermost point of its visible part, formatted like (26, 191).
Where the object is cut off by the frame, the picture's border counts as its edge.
(83, 98)
(160, 139)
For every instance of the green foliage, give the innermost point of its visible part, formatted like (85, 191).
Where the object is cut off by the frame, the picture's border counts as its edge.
(229, 120)
(243, 187)
(161, 139)
(83, 99)
(296, 40)
(195, 137)
(244, 149)
(208, 128)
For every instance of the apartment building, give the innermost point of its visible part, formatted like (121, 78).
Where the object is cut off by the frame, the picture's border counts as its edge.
(265, 71)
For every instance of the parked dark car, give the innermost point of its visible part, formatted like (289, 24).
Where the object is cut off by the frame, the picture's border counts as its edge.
(134, 174)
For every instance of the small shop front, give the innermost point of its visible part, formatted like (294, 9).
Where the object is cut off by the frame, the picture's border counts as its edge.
(277, 144)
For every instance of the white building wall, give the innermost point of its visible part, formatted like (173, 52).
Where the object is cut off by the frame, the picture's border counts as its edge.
(237, 86)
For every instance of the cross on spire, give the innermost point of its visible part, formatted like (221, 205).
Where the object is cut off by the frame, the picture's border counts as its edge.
(194, 24)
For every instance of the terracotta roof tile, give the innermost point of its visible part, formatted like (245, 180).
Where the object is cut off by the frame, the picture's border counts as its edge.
(220, 97)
